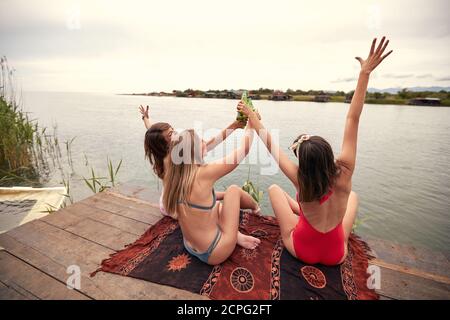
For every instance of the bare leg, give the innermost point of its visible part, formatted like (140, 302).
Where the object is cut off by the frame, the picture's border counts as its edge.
(283, 212)
(247, 202)
(246, 205)
(292, 203)
(229, 224)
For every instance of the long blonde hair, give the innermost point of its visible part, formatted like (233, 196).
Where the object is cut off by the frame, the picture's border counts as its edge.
(182, 167)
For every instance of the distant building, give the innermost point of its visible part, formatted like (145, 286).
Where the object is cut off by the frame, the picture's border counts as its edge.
(233, 94)
(280, 96)
(254, 96)
(211, 94)
(321, 98)
(349, 97)
(425, 102)
(180, 94)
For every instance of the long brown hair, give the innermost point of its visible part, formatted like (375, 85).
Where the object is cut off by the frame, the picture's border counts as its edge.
(317, 170)
(185, 158)
(156, 146)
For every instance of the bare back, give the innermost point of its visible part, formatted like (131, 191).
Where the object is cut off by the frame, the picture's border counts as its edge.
(199, 226)
(326, 216)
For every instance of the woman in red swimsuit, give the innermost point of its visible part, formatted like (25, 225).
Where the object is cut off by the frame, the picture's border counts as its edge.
(316, 227)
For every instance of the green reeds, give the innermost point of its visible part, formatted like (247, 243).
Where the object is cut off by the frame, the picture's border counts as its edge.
(113, 172)
(68, 195)
(251, 189)
(68, 144)
(358, 222)
(25, 148)
(29, 154)
(98, 183)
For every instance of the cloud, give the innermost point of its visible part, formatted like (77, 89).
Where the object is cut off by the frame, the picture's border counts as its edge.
(397, 76)
(340, 80)
(139, 45)
(425, 75)
(443, 79)
(56, 40)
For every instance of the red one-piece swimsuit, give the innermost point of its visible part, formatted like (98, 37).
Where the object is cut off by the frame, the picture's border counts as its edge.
(312, 246)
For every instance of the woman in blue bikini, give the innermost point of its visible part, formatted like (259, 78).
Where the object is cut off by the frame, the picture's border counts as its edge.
(156, 145)
(210, 228)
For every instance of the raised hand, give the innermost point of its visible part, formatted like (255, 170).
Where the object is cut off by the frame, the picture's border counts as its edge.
(238, 125)
(144, 112)
(375, 56)
(242, 107)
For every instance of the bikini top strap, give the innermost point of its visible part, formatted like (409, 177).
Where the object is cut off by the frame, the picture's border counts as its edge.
(322, 200)
(196, 206)
(326, 197)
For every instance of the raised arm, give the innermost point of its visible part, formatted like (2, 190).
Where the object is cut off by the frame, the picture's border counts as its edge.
(347, 158)
(225, 133)
(220, 168)
(289, 168)
(145, 116)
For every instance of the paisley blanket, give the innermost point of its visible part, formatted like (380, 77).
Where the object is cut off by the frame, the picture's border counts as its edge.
(268, 272)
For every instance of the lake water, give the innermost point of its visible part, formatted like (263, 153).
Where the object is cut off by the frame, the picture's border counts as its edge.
(403, 164)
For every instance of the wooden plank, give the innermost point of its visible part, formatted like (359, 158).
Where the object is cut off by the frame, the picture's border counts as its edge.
(54, 265)
(411, 271)
(79, 211)
(117, 204)
(146, 213)
(97, 232)
(52, 250)
(102, 234)
(60, 245)
(62, 219)
(429, 261)
(399, 285)
(129, 203)
(9, 293)
(130, 288)
(146, 194)
(16, 274)
(121, 222)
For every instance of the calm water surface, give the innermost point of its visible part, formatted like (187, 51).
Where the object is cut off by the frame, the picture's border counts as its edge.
(403, 165)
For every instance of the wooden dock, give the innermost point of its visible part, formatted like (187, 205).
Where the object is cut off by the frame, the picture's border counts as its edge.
(35, 256)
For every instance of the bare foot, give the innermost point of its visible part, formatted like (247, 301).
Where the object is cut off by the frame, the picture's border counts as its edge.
(257, 210)
(247, 242)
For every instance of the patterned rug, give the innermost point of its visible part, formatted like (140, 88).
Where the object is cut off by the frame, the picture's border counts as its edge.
(268, 272)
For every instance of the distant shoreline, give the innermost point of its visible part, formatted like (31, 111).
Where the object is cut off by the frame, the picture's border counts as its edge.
(305, 98)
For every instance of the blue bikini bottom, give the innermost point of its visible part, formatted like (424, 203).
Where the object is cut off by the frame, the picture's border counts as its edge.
(205, 255)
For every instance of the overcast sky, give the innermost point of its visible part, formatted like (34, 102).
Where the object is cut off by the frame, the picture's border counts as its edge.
(141, 46)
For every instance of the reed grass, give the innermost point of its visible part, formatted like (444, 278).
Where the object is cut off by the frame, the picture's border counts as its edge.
(98, 183)
(25, 148)
(29, 153)
(252, 189)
